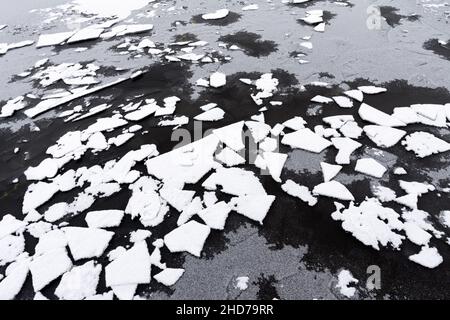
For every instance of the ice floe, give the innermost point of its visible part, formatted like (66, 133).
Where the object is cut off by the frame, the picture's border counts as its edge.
(169, 276)
(333, 189)
(307, 140)
(371, 223)
(345, 278)
(370, 167)
(299, 191)
(189, 237)
(424, 144)
(428, 257)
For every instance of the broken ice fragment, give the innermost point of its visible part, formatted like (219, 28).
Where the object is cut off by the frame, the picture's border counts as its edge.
(254, 207)
(384, 136)
(344, 279)
(11, 285)
(378, 117)
(355, 94)
(218, 14)
(53, 39)
(216, 215)
(242, 283)
(371, 223)
(346, 146)
(275, 162)
(333, 189)
(49, 266)
(234, 181)
(307, 140)
(321, 99)
(213, 114)
(131, 267)
(424, 144)
(217, 79)
(177, 198)
(189, 237)
(299, 191)
(329, 171)
(428, 257)
(231, 135)
(343, 102)
(80, 282)
(87, 242)
(104, 218)
(230, 158)
(370, 167)
(169, 276)
(371, 89)
(85, 34)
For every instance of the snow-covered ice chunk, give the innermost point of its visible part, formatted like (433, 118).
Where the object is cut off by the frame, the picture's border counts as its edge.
(37, 194)
(9, 224)
(53, 39)
(370, 167)
(428, 257)
(216, 215)
(321, 99)
(49, 266)
(343, 102)
(217, 80)
(355, 94)
(10, 248)
(370, 223)
(87, 242)
(104, 218)
(85, 34)
(424, 144)
(415, 187)
(213, 114)
(254, 207)
(258, 130)
(189, 237)
(169, 276)
(416, 234)
(345, 278)
(11, 285)
(130, 268)
(329, 171)
(234, 181)
(378, 117)
(49, 241)
(12, 106)
(295, 123)
(80, 282)
(231, 135)
(384, 136)
(218, 14)
(139, 235)
(197, 157)
(307, 140)
(383, 194)
(177, 198)
(142, 113)
(190, 210)
(299, 191)
(229, 157)
(275, 163)
(371, 89)
(333, 189)
(346, 146)
(242, 283)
